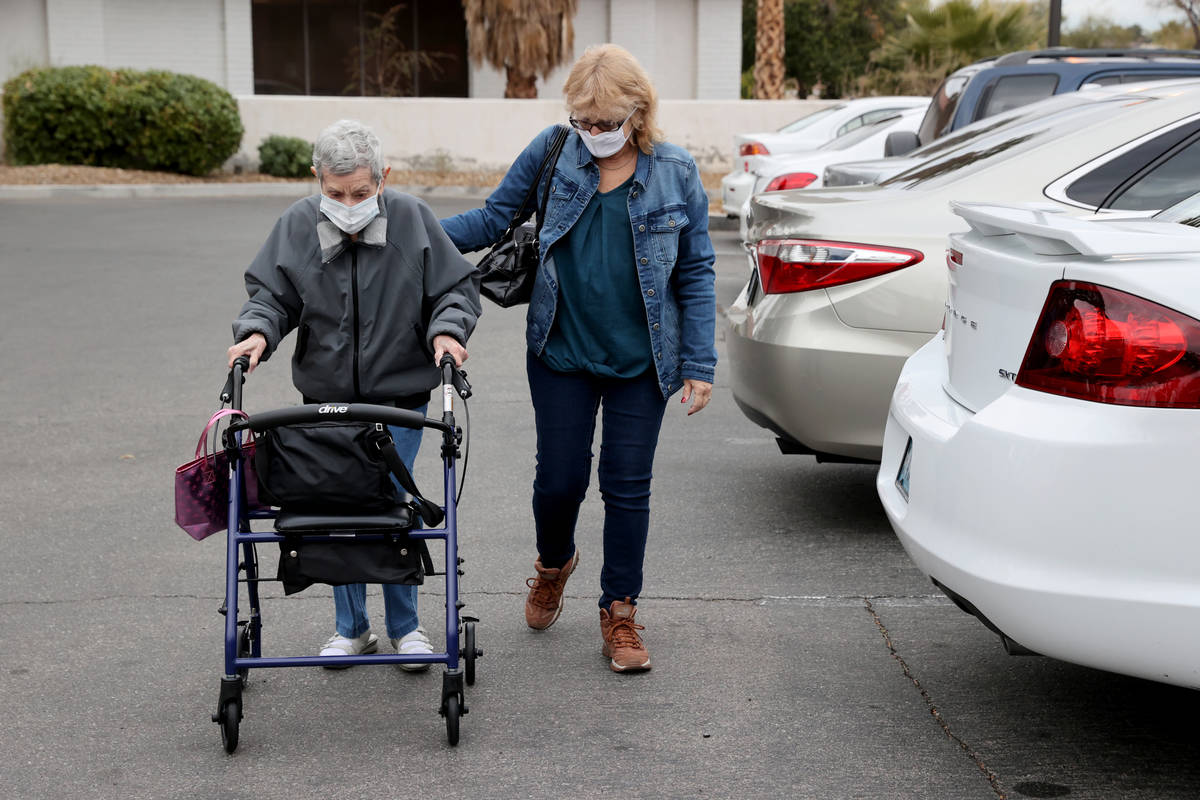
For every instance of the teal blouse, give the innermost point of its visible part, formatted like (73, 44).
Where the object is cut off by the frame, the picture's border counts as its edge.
(600, 325)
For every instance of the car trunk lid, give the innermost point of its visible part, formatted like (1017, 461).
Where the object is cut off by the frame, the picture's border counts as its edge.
(1001, 271)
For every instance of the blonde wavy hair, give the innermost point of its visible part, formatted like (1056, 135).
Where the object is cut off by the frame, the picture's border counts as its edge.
(607, 78)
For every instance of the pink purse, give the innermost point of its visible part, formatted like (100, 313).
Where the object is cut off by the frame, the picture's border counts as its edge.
(202, 484)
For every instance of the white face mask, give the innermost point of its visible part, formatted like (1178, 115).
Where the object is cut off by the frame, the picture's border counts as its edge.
(350, 219)
(603, 145)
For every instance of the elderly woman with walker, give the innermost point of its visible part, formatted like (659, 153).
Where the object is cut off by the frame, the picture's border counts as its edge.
(377, 294)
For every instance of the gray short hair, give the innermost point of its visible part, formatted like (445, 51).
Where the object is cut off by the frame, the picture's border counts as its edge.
(346, 146)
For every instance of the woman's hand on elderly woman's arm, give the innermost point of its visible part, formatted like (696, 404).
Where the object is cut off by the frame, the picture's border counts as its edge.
(445, 343)
(699, 392)
(252, 346)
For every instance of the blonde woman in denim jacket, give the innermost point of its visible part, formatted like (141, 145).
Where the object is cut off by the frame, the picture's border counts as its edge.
(622, 316)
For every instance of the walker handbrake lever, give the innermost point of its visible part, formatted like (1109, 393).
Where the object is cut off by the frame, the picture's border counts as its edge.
(244, 363)
(455, 375)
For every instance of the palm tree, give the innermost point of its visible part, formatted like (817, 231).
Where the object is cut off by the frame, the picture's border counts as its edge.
(957, 32)
(525, 38)
(768, 51)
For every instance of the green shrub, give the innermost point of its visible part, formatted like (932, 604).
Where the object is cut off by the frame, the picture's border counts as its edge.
(285, 157)
(135, 119)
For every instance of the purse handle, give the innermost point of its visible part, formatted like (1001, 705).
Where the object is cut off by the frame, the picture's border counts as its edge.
(202, 445)
(549, 160)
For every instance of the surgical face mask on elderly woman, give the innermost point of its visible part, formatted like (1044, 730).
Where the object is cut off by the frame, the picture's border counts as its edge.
(351, 201)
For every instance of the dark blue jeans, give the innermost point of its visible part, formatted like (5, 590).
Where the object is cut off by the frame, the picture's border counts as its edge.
(565, 406)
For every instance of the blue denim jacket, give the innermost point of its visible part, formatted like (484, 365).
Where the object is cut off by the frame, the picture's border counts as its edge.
(668, 210)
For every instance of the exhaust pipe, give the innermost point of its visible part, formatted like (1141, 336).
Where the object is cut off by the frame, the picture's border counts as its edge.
(1011, 646)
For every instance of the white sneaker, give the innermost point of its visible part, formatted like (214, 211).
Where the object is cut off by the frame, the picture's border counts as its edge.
(413, 644)
(339, 645)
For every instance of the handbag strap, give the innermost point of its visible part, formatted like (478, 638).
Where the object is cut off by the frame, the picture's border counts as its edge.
(428, 511)
(202, 445)
(549, 160)
(555, 151)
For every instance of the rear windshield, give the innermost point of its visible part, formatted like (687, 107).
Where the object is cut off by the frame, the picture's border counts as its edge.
(858, 134)
(1155, 174)
(975, 146)
(804, 122)
(1013, 91)
(1185, 212)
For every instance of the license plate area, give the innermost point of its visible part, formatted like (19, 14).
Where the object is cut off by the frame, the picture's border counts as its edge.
(905, 467)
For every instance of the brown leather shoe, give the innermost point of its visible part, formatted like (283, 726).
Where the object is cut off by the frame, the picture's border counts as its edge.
(622, 645)
(545, 600)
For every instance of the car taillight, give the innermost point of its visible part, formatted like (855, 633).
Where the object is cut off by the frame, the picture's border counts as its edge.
(792, 180)
(798, 265)
(753, 149)
(1096, 343)
(953, 260)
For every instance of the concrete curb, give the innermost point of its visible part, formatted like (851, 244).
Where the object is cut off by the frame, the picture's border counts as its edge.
(284, 189)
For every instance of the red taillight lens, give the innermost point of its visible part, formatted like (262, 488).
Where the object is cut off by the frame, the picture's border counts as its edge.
(798, 265)
(753, 149)
(793, 180)
(1101, 344)
(953, 260)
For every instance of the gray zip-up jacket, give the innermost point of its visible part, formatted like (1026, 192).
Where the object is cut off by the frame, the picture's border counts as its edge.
(367, 311)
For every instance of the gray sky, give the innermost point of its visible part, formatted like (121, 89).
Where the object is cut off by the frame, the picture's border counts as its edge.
(1146, 13)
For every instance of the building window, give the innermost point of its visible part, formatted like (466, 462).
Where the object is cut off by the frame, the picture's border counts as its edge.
(373, 48)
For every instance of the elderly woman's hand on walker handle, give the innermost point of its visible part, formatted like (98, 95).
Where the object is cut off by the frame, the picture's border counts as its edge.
(252, 346)
(698, 392)
(444, 344)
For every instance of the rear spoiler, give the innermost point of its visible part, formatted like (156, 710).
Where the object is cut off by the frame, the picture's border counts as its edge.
(1048, 230)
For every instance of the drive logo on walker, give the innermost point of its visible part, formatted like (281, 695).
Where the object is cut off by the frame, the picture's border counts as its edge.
(328, 409)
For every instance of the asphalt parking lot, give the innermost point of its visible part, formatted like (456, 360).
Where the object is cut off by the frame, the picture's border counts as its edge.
(798, 653)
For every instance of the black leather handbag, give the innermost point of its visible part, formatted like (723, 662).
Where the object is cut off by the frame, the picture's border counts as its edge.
(510, 267)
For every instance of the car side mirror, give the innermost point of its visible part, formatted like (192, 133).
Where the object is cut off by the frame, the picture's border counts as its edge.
(899, 143)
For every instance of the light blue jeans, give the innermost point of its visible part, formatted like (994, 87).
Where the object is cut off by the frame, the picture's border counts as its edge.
(399, 600)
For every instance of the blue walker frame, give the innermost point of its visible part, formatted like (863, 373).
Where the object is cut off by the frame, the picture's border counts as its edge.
(243, 637)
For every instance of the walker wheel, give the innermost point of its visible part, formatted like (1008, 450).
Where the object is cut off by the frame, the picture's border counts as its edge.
(469, 652)
(453, 711)
(229, 718)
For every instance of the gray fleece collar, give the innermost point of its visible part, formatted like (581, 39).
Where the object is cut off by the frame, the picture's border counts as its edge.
(333, 240)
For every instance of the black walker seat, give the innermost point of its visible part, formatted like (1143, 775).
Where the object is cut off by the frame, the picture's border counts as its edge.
(333, 528)
(399, 517)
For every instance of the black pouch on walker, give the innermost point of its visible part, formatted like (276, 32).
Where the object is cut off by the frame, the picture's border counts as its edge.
(331, 466)
(324, 465)
(396, 558)
(343, 519)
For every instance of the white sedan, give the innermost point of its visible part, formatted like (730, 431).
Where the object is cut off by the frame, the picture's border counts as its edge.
(805, 133)
(1039, 462)
(804, 170)
(845, 284)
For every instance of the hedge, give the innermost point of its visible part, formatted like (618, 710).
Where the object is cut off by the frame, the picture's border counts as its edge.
(285, 157)
(152, 120)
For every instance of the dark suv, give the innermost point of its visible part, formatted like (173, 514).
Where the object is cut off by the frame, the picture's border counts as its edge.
(993, 85)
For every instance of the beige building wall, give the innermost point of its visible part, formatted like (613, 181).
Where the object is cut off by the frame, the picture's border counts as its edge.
(208, 38)
(22, 37)
(488, 134)
(691, 48)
